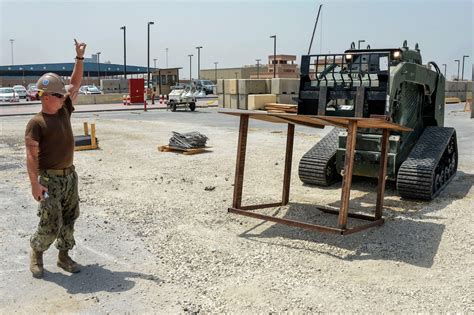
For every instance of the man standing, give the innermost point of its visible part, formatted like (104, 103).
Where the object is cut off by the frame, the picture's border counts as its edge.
(49, 155)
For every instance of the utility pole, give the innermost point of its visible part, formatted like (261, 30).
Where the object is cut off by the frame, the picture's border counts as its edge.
(98, 66)
(462, 74)
(166, 57)
(274, 54)
(124, 28)
(215, 70)
(457, 60)
(445, 66)
(199, 61)
(148, 55)
(190, 68)
(11, 42)
(258, 68)
(154, 63)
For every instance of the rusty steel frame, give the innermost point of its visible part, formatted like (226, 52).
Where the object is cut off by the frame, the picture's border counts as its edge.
(343, 212)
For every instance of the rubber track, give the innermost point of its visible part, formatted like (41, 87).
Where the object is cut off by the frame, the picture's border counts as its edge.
(417, 173)
(312, 167)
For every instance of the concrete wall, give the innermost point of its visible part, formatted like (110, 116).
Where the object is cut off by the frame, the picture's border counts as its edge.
(99, 99)
(458, 89)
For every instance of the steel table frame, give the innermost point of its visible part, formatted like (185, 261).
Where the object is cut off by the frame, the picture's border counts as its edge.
(319, 122)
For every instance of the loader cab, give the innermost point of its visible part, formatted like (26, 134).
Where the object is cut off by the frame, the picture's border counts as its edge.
(352, 84)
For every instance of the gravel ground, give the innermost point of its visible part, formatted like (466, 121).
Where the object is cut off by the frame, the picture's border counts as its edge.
(154, 234)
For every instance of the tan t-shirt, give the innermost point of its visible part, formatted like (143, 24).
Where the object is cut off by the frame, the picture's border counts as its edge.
(55, 138)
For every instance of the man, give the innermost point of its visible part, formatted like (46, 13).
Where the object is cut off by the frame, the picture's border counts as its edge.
(49, 155)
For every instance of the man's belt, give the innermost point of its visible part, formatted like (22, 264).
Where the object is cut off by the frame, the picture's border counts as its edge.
(60, 172)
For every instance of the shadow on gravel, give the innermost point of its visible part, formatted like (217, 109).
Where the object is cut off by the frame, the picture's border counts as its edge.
(405, 236)
(96, 278)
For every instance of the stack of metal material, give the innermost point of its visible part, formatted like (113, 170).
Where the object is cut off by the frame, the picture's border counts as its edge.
(189, 140)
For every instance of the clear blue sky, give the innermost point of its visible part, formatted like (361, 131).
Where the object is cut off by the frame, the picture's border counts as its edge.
(232, 33)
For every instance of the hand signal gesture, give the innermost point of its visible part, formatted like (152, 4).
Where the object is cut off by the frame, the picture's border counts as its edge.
(80, 48)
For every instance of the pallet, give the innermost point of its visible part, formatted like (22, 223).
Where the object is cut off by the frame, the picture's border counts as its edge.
(167, 148)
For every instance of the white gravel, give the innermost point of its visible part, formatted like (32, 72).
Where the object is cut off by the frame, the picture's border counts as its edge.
(153, 239)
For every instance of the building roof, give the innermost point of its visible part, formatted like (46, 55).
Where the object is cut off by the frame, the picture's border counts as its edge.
(65, 69)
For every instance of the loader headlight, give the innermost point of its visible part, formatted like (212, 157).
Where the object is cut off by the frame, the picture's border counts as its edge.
(349, 57)
(397, 54)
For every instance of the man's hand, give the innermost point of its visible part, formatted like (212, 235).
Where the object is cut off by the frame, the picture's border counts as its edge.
(80, 48)
(37, 190)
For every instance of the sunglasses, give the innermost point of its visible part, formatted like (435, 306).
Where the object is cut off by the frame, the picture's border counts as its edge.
(57, 95)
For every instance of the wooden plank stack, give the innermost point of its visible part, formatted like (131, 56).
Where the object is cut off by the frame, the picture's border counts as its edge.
(281, 108)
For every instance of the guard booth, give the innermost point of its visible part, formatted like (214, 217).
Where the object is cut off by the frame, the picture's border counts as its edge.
(136, 90)
(164, 79)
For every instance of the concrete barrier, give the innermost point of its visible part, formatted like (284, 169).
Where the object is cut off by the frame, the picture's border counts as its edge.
(99, 99)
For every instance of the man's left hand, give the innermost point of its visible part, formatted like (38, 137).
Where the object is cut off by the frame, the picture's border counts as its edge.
(80, 48)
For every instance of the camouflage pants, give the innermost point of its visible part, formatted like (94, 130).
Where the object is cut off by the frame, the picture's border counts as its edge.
(57, 213)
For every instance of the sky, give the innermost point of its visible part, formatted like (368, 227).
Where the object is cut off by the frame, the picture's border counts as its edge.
(232, 33)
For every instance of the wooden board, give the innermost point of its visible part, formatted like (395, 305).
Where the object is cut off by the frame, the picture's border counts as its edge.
(167, 148)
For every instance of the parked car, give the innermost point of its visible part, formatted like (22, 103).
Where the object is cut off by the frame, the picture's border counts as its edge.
(89, 89)
(32, 92)
(206, 85)
(20, 90)
(7, 94)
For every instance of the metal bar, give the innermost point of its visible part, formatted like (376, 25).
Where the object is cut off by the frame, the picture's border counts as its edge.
(382, 175)
(325, 65)
(342, 68)
(288, 159)
(368, 74)
(289, 222)
(333, 68)
(359, 102)
(323, 100)
(362, 227)
(262, 206)
(351, 215)
(347, 176)
(240, 162)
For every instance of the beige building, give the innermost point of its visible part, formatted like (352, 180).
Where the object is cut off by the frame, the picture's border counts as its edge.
(285, 68)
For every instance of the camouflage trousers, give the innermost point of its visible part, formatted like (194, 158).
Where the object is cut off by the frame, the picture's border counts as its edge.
(57, 212)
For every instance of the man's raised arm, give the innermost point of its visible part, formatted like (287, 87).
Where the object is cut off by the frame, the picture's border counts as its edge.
(76, 77)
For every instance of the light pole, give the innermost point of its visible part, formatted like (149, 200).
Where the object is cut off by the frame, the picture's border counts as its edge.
(360, 41)
(166, 57)
(148, 56)
(445, 66)
(11, 42)
(98, 66)
(215, 70)
(199, 61)
(258, 68)
(457, 60)
(124, 28)
(190, 68)
(462, 73)
(274, 54)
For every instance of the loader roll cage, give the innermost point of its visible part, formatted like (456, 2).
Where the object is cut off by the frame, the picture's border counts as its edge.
(353, 84)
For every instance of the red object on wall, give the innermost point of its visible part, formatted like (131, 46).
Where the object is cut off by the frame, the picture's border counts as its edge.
(136, 89)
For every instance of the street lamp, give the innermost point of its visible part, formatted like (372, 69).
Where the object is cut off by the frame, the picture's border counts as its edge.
(445, 66)
(124, 51)
(98, 66)
(457, 60)
(215, 70)
(166, 57)
(11, 42)
(190, 68)
(462, 73)
(199, 61)
(258, 68)
(274, 54)
(360, 41)
(148, 55)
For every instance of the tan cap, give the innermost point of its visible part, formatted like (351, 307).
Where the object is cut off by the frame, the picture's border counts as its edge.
(51, 83)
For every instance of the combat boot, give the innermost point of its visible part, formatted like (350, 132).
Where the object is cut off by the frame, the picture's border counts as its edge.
(36, 263)
(65, 262)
